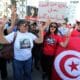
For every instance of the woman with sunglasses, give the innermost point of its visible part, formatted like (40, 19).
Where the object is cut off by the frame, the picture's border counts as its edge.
(51, 40)
(22, 62)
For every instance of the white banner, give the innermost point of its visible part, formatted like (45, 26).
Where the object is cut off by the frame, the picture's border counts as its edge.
(53, 10)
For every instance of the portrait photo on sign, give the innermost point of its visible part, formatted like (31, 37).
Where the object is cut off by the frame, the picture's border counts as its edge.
(32, 11)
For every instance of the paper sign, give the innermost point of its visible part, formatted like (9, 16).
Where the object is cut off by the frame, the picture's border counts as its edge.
(53, 10)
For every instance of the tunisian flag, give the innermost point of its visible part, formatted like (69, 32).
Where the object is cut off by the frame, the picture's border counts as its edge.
(66, 65)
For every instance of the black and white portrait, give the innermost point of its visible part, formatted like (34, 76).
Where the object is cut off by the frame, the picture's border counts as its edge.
(32, 11)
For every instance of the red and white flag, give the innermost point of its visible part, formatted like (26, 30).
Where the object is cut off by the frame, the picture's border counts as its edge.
(66, 65)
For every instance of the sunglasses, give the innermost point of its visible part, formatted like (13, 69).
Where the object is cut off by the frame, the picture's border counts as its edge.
(53, 26)
(24, 25)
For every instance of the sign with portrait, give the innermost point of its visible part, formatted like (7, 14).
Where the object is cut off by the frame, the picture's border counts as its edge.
(32, 13)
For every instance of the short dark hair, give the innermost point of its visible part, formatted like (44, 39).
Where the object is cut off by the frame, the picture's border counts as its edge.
(77, 22)
(21, 21)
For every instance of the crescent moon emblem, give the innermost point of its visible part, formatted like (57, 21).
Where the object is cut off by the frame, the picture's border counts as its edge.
(63, 60)
(60, 67)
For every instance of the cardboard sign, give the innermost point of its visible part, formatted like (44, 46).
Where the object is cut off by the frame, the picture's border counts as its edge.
(53, 10)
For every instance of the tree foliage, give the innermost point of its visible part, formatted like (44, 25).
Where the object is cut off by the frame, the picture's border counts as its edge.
(13, 2)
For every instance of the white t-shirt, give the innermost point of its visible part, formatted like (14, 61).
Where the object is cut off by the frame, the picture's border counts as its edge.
(23, 44)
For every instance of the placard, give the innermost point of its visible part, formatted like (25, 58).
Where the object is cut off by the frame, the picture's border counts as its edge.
(53, 10)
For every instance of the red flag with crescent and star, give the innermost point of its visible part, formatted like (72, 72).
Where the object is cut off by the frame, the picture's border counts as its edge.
(66, 65)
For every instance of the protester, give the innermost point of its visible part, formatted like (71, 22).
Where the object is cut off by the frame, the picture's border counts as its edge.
(36, 50)
(73, 48)
(76, 31)
(63, 29)
(51, 40)
(3, 62)
(8, 28)
(22, 62)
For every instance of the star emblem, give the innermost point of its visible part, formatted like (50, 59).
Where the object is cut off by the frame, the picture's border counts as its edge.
(73, 66)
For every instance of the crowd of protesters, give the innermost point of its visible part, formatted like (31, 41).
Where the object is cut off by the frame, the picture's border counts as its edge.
(45, 36)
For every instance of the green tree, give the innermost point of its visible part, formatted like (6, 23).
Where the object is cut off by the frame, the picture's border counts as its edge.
(13, 2)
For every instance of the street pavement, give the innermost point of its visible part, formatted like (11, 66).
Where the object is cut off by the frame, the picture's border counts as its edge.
(36, 74)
